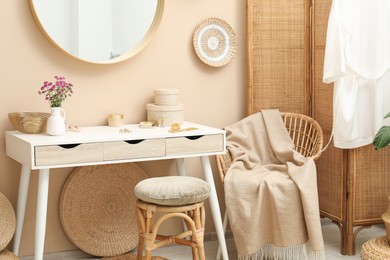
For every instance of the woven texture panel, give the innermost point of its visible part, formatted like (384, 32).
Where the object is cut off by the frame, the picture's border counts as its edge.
(330, 168)
(330, 175)
(371, 170)
(97, 208)
(278, 55)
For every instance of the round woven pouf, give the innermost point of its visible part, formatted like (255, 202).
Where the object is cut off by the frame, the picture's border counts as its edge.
(375, 249)
(7, 221)
(7, 255)
(97, 208)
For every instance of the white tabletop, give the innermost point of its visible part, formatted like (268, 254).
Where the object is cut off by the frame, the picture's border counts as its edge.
(106, 133)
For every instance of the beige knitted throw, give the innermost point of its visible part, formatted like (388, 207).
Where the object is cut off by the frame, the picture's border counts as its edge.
(271, 192)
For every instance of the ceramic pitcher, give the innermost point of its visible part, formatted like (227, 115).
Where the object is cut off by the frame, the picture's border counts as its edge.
(56, 122)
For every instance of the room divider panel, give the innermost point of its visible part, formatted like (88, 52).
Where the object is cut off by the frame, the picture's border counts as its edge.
(278, 39)
(286, 43)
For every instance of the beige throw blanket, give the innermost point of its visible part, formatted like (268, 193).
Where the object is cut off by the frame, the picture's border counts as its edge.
(271, 192)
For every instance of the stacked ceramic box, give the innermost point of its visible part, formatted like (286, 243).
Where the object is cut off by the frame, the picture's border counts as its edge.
(166, 109)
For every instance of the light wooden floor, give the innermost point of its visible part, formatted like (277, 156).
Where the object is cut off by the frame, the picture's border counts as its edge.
(330, 233)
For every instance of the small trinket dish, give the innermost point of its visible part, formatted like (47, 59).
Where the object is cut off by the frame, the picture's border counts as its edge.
(146, 124)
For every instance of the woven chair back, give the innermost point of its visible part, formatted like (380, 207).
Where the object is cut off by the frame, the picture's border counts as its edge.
(304, 131)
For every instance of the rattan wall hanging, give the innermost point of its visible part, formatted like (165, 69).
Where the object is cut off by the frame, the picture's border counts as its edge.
(215, 42)
(97, 208)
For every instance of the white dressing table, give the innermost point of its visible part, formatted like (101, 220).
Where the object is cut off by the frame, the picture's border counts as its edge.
(107, 145)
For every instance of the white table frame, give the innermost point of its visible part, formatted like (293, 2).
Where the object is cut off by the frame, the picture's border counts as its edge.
(21, 147)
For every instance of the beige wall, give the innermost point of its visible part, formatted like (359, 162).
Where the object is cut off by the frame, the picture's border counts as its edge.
(212, 96)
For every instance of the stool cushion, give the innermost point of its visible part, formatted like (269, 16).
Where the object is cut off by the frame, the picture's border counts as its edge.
(172, 190)
(376, 248)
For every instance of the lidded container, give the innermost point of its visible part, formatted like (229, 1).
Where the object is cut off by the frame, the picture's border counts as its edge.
(167, 115)
(166, 97)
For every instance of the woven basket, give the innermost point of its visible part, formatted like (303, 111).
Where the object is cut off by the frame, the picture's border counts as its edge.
(97, 208)
(7, 222)
(7, 255)
(304, 131)
(375, 249)
(29, 122)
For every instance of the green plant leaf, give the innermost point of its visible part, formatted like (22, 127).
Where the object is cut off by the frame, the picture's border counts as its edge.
(387, 115)
(382, 138)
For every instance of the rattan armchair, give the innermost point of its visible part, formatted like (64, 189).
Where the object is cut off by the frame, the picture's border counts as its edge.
(305, 133)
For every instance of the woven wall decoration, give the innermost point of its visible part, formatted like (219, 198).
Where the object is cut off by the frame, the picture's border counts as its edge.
(215, 42)
(97, 208)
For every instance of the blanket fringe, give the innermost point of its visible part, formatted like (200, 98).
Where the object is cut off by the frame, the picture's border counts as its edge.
(301, 252)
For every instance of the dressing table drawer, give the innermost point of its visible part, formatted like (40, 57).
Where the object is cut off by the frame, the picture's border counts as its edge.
(194, 144)
(69, 153)
(130, 149)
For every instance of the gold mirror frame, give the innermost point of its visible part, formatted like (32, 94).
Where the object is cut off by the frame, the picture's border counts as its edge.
(132, 52)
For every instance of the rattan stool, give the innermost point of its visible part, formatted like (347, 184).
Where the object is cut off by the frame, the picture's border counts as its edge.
(375, 249)
(172, 196)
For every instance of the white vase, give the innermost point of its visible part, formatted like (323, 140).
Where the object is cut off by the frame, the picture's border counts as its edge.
(56, 122)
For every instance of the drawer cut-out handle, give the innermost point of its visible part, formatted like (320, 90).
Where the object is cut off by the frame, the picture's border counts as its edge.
(68, 146)
(194, 137)
(134, 141)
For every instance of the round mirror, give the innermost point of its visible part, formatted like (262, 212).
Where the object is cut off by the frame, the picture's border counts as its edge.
(98, 31)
